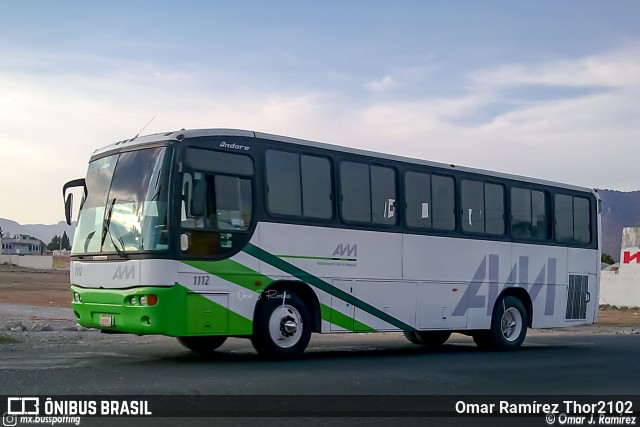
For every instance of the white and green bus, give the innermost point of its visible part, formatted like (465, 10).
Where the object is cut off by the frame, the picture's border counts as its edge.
(208, 234)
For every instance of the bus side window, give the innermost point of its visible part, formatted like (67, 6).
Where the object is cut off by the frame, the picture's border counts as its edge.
(418, 199)
(193, 205)
(187, 190)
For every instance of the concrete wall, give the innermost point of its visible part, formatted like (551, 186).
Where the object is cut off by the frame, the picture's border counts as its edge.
(61, 262)
(619, 290)
(621, 286)
(29, 261)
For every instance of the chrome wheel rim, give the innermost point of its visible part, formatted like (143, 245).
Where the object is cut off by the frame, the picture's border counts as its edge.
(511, 324)
(285, 326)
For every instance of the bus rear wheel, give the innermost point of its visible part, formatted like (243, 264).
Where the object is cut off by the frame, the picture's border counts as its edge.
(205, 346)
(412, 337)
(282, 326)
(508, 326)
(428, 338)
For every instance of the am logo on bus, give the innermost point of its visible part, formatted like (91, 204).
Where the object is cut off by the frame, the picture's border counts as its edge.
(346, 249)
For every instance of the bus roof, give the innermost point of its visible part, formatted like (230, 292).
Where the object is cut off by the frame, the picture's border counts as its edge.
(183, 134)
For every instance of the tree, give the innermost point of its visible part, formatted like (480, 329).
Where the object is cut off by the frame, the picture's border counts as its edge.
(54, 245)
(607, 259)
(65, 242)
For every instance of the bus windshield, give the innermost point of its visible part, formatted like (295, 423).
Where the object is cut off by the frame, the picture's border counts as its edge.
(126, 205)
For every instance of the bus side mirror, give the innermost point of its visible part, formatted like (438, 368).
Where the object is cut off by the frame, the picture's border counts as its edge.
(198, 198)
(68, 207)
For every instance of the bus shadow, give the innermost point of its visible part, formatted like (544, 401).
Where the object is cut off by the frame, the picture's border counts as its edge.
(328, 352)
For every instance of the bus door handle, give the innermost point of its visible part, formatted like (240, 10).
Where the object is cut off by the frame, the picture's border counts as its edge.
(588, 296)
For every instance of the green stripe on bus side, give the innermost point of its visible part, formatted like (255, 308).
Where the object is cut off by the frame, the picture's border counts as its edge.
(321, 258)
(233, 272)
(337, 318)
(291, 269)
(246, 277)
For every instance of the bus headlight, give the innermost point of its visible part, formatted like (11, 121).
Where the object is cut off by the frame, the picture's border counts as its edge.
(76, 297)
(144, 300)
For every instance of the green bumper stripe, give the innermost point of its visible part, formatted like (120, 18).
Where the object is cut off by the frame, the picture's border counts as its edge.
(233, 272)
(291, 269)
(178, 312)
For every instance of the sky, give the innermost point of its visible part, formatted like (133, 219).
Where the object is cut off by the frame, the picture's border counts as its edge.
(545, 89)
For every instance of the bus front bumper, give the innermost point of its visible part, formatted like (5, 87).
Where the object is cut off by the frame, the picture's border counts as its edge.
(173, 311)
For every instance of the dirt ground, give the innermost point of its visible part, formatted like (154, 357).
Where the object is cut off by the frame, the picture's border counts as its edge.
(51, 289)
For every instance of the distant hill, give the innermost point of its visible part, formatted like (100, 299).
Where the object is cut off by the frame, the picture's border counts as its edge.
(39, 231)
(619, 209)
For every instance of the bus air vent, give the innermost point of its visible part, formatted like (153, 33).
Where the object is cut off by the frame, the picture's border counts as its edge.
(577, 296)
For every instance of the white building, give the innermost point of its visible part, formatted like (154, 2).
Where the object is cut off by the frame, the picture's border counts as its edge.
(620, 283)
(21, 244)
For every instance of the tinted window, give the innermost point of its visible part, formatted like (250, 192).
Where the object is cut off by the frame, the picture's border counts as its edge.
(520, 213)
(564, 218)
(494, 208)
(233, 203)
(226, 203)
(472, 197)
(418, 199)
(581, 223)
(283, 183)
(299, 185)
(220, 162)
(573, 223)
(355, 191)
(316, 187)
(482, 207)
(383, 195)
(539, 223)
(443, 194)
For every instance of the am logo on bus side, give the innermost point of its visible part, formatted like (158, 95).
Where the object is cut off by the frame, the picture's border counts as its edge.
(488, 271)
(346, 249)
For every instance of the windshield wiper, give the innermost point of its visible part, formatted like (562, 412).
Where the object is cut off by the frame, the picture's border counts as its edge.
(107, 222)
(106, 229)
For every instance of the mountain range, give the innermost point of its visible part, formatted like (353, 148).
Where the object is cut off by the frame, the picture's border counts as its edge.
(619, 209)
(39, 231)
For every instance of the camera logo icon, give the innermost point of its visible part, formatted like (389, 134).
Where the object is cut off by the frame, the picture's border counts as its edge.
(9, 420)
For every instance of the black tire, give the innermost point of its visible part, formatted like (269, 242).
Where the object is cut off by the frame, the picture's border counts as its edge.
(483, 340)
(412, 337)
(282, 326)
(205, 346)
(433, 338)
(508, 326)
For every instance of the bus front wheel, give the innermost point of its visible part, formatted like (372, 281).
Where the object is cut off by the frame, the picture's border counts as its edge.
(508, 326)
(282, 326)
(205, 346)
